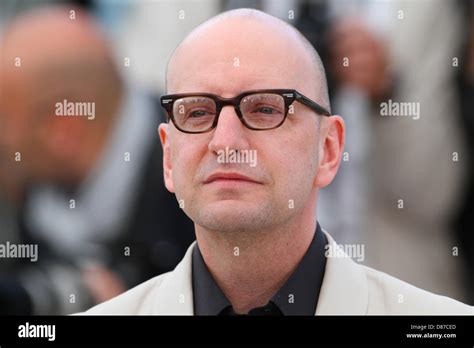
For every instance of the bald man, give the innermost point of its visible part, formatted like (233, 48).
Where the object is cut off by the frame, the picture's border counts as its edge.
(48, 58)
(245, 82)
(42, 67)
(80, 142)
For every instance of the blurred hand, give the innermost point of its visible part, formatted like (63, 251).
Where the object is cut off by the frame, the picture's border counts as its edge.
(368, 63)
(102, 283)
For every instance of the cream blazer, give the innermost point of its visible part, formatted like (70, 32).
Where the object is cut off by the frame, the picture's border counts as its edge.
(348, 288)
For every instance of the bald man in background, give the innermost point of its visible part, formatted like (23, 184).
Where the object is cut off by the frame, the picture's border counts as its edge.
(245, 81)
(87, 182)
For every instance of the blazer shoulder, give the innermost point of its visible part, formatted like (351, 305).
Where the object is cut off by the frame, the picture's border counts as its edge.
(167, 294)
(138, 300)
(389, 295)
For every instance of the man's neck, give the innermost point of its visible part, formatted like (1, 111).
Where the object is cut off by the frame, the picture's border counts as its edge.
(250, 270)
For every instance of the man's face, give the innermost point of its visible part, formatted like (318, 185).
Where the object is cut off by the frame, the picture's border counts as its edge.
(23, 113)
(25, 104)
(225, 63)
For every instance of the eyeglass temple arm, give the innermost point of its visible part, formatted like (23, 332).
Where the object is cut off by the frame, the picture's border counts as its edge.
(315, 106)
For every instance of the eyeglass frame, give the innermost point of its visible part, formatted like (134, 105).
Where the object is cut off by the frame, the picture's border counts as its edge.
(289, 96)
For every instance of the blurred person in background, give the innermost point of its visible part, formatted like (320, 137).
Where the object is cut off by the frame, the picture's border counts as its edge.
(421, 162)
(90, 188)
(410, 194)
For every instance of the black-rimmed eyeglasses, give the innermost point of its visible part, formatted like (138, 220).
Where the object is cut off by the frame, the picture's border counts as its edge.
(257, 109)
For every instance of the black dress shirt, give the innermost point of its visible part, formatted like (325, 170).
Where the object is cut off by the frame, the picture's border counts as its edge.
(298, 296)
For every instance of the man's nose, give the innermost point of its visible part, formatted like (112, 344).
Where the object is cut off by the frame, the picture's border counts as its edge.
(229, 133)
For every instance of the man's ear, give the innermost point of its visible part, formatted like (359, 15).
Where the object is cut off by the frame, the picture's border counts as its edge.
(332, 138)
(163, 132)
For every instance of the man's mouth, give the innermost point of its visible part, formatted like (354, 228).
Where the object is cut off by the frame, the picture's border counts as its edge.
(233, 178)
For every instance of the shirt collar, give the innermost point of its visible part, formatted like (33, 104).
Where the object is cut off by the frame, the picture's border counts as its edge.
(298, 296)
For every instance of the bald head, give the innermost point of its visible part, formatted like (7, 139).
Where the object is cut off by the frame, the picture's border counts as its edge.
(246, 38)
(60, 49)
(50, 55)
(235, 52)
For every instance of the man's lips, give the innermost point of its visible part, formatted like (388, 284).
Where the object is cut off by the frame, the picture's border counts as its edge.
(229, 177)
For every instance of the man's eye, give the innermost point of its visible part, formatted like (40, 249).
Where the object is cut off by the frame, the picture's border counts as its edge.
(198, 113)
(265, 110)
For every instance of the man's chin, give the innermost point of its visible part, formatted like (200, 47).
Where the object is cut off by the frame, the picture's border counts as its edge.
(228, 207)
(231, 215)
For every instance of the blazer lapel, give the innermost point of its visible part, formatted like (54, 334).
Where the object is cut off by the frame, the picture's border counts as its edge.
(175, 295)
(345, 288)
